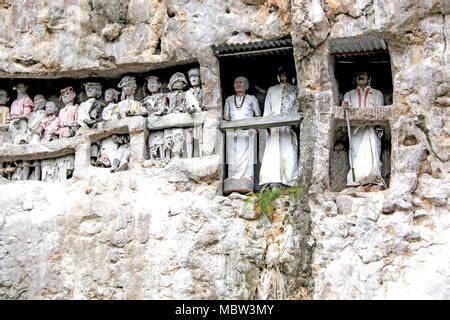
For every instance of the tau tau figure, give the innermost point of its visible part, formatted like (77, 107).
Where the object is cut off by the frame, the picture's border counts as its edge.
(90, 111)
(194, 95)
(240, 144)
(279, 166)
(365, 141)
(34, 122)
(112, 110)
(128, 106)
(49, 124)
(4, 110)
(4, 115)
(21, 108)
(68, 114)
(156, 102)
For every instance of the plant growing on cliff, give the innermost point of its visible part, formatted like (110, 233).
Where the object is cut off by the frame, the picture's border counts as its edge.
(266, 199)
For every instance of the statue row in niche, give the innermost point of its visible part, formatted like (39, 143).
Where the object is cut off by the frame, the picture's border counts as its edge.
(49, 170)
(31, 121)
(279, 166)
(39, 120)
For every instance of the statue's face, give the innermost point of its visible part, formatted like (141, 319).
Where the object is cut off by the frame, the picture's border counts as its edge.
(129, 89)
(283, 77)
(21, 88)
(3, 97)
(93, 91)
(153, 85)
(194, 79)
(239, 85)
(67, 97)
(362, 79)
(109, 95)
(50, 108)
(39, 103)
(179, 85)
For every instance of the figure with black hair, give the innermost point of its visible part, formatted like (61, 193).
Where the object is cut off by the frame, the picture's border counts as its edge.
(365, 142)
(279, 166)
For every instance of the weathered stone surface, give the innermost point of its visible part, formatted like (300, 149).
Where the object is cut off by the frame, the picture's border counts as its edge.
(100, 235)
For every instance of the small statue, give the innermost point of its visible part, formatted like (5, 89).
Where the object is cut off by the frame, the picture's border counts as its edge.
(240, 145)
(65, 167)
(122, 155)
(112, 110)
(194, 100)
(156, 102)
(49, 124)
(108, 149)
(365, 141)
(90, 111)
(34, 122)
(156, 144)
(68, 115)
(196, 90)
(20, 111)
(279, 166)
(18, 131)
(174, 140)
(176, 96)
(4, 110)
(128, 106)
(49, 169)
(23, 105)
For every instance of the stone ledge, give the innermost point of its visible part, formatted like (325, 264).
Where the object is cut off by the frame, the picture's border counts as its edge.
(176, 120)
(52, 149)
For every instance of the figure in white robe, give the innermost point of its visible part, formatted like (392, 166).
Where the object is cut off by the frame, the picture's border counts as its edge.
(365, 140)
(280, 161)
(241, 143)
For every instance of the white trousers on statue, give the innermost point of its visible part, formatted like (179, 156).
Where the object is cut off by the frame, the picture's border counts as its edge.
(366, 156)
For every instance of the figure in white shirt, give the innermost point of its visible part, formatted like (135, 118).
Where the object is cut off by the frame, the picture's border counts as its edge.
(365, 153)
(279, 166)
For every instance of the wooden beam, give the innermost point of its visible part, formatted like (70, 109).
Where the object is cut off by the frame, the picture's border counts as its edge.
(263, 122)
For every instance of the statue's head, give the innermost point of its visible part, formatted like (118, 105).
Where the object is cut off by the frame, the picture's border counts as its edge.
(153, 84)
(93, 89)
(177, 82)
(3, 97)
(67, 95)
(111, 95)
(241, 84)
(283, 74)
(39, 102)
(194, 77)
(51, 108)
(128, 85)
(362, 77)
(20, 87)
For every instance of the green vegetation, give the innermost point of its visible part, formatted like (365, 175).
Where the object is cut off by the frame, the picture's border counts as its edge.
(265, 200)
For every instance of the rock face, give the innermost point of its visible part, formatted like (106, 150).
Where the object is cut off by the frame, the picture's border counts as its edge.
(167, 233)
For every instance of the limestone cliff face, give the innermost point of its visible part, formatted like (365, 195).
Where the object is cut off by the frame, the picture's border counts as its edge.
(151, 233)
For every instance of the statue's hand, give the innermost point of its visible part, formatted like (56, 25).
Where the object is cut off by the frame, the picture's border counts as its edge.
(379, 132)
(345, 104)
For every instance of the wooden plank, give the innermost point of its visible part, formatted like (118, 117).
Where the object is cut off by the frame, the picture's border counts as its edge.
(263, 122)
